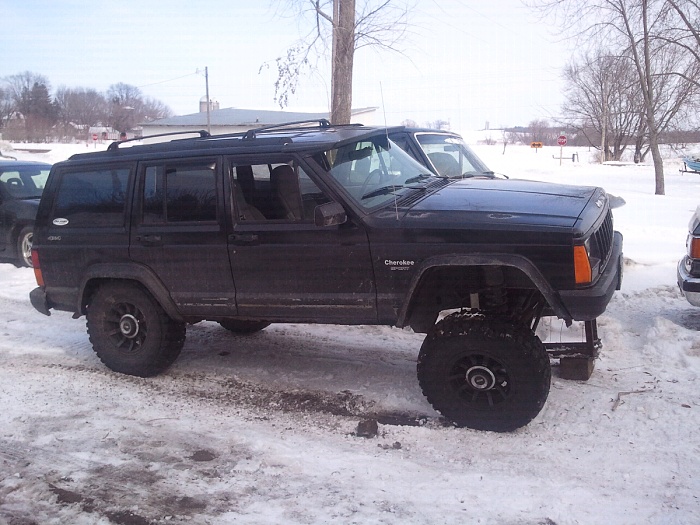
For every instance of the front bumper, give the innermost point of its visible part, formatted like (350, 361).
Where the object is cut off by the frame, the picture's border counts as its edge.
(588, 303)
(688, 285)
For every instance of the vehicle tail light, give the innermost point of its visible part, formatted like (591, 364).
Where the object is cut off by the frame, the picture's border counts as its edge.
(582, 265)
(694, 248)
(37, 269)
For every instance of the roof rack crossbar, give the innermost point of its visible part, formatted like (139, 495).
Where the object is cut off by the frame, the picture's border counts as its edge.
(202, 134)
(322, 123)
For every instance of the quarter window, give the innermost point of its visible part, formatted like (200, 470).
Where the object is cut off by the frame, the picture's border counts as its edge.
(92, 197)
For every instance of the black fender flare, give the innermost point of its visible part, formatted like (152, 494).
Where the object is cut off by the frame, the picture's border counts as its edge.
(129, 272)
(513, 260)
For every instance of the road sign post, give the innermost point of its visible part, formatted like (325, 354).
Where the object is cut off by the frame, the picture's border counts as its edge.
(561, 140)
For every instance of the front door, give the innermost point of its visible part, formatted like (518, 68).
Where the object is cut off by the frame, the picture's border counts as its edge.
(284, 266)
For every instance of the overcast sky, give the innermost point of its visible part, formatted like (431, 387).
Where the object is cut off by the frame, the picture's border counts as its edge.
(466, 61)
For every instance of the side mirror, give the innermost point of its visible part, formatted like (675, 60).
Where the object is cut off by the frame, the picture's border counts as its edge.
(329, 214)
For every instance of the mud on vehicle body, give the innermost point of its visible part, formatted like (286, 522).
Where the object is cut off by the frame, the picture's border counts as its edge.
(314, 223)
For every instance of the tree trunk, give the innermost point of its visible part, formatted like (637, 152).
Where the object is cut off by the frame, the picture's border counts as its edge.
(343, 54)
(658, 162)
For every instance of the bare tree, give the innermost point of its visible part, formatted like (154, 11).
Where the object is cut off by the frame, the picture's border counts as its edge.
(30, 95)
(541, 131)
(125, 106)
(79, 109)
(6, 106)
(637, 27)
(345, 27)
(603, 101)
(155, 109)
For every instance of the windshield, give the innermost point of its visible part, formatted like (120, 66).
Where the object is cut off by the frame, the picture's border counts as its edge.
(24, 182)
(376, 171)
(451, 157)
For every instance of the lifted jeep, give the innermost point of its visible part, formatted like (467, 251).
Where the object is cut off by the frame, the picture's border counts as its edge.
(316, 223)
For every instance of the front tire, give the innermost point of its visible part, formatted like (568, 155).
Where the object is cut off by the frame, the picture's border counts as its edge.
(24, 247)
(484, 374)
(130, 332)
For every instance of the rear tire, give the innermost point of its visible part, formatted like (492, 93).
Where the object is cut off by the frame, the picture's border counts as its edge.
(484, 374)
(130, 332)
(243, 327)
(24, 247)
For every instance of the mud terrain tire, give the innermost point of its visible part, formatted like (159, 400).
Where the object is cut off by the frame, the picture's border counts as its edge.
(130, 332)
(484, 374)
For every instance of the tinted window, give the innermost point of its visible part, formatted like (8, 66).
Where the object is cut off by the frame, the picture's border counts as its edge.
(24, 182)
(92, 197)
(179, 193)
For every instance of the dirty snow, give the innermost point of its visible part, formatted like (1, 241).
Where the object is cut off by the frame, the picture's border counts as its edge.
(262, 429)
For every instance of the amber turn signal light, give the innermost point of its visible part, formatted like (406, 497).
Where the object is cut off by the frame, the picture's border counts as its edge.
(694, 250)
(582, 266)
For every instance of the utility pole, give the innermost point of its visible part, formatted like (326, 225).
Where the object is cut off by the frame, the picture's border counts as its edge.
(206, 81)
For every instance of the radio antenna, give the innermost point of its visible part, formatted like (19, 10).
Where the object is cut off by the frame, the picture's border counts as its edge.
(386, 130)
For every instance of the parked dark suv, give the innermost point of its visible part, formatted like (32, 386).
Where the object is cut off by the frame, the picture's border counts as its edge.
(327, 224)
(21, 184)
(443, 152)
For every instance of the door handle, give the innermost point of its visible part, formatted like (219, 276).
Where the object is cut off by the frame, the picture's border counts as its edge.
(243, 239)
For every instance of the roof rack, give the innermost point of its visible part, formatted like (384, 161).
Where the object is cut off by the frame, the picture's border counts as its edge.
(115, 145)
(322, 123)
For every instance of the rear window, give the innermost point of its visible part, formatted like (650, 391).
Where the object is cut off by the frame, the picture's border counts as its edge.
(24, 182)
(92, 197)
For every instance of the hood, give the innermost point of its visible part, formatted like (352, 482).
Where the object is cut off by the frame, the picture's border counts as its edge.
(506, 202)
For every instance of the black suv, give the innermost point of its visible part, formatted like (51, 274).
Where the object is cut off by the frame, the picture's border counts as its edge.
(327, 224)
(21, 184)
(443, 152)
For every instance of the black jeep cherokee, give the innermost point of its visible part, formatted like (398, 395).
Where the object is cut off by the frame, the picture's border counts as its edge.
(326, 224)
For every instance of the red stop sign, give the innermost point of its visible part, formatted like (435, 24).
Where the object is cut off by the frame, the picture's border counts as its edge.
(94, 136)
(561, 140)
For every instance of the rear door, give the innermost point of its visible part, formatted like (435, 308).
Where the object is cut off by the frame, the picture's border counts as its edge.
(179, 231)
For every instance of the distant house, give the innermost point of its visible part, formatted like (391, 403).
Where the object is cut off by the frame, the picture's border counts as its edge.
(234, 120)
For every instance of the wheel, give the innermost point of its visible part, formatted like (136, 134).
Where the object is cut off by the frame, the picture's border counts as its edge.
(24, 246)
(484, 374)
(243, 327)
(130, 332)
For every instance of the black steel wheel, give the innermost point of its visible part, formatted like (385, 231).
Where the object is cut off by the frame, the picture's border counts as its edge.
(484, 374)
(24, 246)
(130, 332)
(243, 327)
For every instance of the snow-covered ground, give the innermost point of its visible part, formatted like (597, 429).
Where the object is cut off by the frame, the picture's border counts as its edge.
(262, 429)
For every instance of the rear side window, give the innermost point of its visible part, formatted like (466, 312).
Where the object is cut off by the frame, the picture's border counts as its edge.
(94, 197)
(180, 193)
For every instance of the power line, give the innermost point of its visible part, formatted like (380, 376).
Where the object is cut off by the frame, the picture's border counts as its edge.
(170, 80)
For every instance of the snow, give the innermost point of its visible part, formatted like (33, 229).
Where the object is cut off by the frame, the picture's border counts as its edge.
(262, 429)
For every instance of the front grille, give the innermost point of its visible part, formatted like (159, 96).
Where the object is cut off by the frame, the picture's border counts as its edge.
(602, 241)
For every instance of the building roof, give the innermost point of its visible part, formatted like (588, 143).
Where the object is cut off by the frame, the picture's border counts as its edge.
(245, 117)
